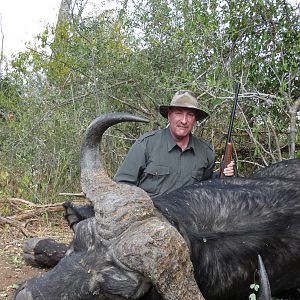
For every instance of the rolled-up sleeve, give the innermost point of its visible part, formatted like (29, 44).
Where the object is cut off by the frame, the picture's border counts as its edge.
(135, 162)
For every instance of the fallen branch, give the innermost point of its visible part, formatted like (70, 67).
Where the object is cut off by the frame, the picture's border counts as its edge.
(18, 200)
(21, 220)
(39, 210)
(72, 194)
(30, 212)
(17, 224)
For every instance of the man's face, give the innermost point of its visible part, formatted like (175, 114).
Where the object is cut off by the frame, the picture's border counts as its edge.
(181, 121)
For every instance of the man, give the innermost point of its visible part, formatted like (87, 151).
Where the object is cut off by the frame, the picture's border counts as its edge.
(170, 158)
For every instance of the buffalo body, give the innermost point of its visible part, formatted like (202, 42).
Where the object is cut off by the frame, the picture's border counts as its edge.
(129, 249)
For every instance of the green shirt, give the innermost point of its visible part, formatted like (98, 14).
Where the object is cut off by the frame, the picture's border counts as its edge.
(157, 165)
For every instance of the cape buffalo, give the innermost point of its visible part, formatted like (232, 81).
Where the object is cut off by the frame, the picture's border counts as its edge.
(125, 249)
(131, 250)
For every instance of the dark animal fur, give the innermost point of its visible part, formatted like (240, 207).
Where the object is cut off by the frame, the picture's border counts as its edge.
(229, 223)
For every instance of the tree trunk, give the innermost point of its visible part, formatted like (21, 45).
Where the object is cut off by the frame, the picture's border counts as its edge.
(292, 134)
(64, 12)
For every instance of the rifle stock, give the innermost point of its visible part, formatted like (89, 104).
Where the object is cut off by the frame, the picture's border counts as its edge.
(228, 155)
(227, 158)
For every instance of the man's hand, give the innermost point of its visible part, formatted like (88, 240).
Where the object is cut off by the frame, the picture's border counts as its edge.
(229, 170)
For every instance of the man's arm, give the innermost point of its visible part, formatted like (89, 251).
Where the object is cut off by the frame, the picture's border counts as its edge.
(209, 172)
(133, 165)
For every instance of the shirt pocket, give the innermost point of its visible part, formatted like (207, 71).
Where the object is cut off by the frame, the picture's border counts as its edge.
(197, 175)
(153, 178)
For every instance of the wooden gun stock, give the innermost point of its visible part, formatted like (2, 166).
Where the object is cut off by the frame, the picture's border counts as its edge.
(226, 159)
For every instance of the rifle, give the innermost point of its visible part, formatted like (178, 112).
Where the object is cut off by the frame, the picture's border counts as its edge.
(227, 158)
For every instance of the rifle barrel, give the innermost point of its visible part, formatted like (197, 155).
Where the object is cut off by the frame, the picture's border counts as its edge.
(236, 94)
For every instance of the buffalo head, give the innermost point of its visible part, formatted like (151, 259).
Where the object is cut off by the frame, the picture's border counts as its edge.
(122, 251)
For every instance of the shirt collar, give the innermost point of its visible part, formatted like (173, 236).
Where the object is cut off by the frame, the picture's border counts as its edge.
(171, 143)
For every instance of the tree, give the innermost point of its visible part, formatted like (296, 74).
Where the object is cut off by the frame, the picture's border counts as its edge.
(133, 58)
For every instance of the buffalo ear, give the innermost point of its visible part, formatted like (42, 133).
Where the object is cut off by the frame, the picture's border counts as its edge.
(76, 213)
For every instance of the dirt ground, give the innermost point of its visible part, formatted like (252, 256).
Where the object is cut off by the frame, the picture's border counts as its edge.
(13, 269)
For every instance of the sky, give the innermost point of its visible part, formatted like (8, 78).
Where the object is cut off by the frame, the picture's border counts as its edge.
(21, 20)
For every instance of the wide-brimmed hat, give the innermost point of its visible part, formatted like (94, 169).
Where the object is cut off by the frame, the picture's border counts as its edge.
(184, 99)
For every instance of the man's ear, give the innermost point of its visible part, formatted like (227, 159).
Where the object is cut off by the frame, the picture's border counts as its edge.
(169, 111)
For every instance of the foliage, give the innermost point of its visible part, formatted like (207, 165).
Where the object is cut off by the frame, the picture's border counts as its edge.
(255, 288)
(133, 59)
